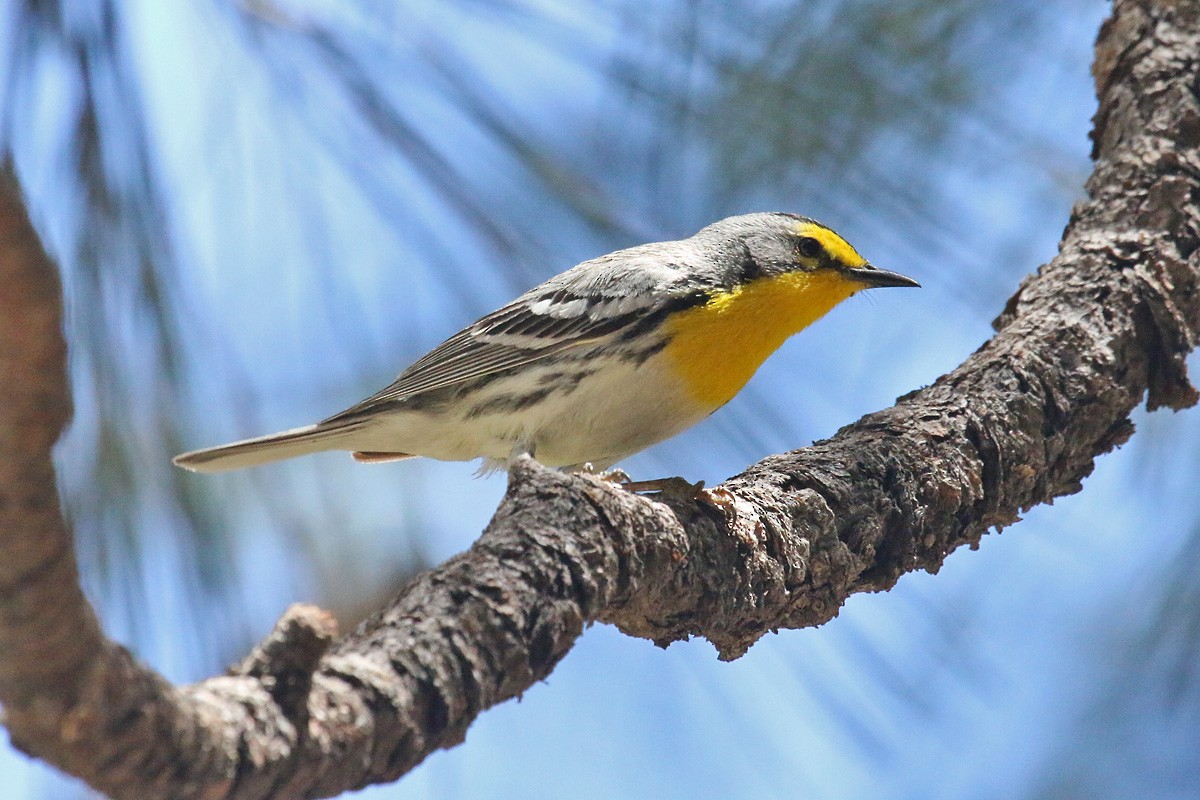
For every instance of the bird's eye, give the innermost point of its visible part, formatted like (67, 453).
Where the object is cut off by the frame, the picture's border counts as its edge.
(808, 247)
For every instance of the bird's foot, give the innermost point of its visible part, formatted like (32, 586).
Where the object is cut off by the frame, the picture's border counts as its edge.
(681, 489)
(677, 487)
(618, 476)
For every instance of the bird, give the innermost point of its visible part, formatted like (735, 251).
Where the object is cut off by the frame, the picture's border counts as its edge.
(601, 361)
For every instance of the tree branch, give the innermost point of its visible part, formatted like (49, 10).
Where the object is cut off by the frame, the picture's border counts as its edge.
(1108, 321)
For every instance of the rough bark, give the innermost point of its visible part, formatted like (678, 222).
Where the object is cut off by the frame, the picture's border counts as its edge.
(1107, 322)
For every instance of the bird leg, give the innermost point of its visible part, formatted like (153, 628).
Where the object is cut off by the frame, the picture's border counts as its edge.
(678, 486)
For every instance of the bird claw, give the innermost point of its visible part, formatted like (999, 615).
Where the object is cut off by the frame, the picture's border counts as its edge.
(719, 499)
(618, 475)
(676, 487)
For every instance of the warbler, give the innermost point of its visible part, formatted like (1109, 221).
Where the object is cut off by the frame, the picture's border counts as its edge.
(601, 361)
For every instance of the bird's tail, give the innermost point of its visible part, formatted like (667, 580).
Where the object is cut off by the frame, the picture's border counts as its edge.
(265, 449)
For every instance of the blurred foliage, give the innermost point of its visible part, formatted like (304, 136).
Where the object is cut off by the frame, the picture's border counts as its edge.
(107, 227)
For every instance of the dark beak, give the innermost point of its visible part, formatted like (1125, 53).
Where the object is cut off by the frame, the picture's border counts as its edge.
(871, 277)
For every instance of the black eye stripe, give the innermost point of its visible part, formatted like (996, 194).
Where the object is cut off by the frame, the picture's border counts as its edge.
(809, 247)
(750, 267)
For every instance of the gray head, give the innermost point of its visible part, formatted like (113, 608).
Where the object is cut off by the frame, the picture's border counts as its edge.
(772, 243)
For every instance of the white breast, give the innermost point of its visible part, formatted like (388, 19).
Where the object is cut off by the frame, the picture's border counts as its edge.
(596, 418)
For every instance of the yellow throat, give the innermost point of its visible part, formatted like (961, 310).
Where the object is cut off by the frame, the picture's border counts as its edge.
(717, 347)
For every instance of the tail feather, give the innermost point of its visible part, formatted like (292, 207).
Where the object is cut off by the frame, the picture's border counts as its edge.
(265, 449)
(376, 457)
